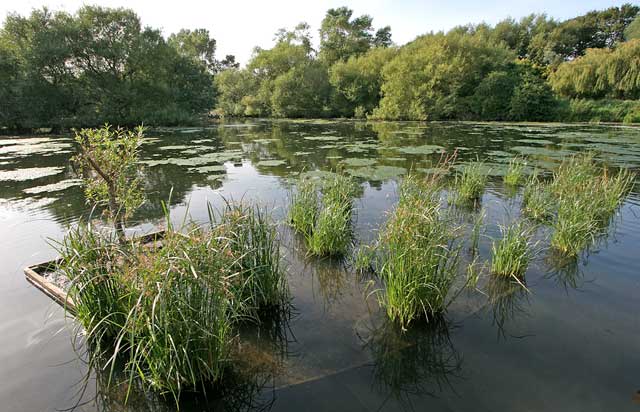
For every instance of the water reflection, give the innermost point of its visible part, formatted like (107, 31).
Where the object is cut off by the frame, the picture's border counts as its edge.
(508, 298)
(421, 361)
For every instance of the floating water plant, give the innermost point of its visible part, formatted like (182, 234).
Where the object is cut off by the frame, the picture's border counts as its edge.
(470, 183)
(515, 172)
(510, 255)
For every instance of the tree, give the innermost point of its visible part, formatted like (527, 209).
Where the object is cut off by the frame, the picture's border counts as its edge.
(197, 45)
(532, 98)
(97, 65)
(601, 73)
(357, 81)
(436, 75)
(342, 37)
(492, 98)
(383, 37)
(301, 92)
(108, 162)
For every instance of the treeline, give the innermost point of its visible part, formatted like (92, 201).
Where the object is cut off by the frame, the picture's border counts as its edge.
(100, 65)
(516, 70)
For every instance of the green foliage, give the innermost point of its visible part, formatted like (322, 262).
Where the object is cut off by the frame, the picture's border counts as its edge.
(195, 45)
(532, 99)
(515, 171)
(170, 313)
(95, 66)
(325, 221)
(342, 36)
(303, 91)
(435, 76)
(470, 183)
(108, 161)
(510, 255)
(357, 82)
(603, 110)
(492, 98)
(601, 73)
(416, 255)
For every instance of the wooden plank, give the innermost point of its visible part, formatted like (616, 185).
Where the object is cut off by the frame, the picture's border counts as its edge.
(35, 274)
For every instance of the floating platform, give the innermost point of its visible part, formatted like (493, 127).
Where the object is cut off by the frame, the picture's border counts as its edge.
(43, 275)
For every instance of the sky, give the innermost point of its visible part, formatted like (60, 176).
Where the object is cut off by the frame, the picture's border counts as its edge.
(240, 25)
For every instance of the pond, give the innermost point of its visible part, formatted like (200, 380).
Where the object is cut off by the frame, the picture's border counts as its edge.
(569, 341)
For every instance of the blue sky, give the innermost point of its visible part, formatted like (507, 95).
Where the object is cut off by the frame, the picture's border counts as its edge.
(239, 25)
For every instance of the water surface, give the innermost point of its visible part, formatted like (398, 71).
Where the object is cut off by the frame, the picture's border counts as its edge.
(570, 343)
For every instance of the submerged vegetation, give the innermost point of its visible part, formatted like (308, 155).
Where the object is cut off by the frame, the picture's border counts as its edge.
(324, 218)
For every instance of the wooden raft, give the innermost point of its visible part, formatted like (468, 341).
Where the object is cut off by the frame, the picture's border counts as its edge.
(37, 274)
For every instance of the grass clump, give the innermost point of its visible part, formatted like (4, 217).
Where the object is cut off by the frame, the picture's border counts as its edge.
(515, 172)
(324, 217)
(588, 196)
(511, 254)
(168, 314)
(304, 207)
(538, 202)
(470, 183)
(416, 255)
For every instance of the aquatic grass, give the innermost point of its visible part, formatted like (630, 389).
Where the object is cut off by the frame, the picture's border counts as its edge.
(252, 238)
(304, 208)
(169, 313)
(511, 254)
(324, 216)
(515, 172)
(538, 203)
(470, 183)
(417, 254)
(588, 195)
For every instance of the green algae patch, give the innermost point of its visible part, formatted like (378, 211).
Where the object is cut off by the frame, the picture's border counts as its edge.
(209, 169)
(31, 173)
(378, 173)
(424, 149)
(357, 162)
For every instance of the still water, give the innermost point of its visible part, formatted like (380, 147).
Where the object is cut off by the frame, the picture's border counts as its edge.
(569, 343)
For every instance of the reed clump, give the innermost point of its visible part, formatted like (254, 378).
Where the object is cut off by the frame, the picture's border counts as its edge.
(512, 253)
(323, 214)
(417, 254)
(515, 172)
(538, 202)
(587, 196)
(470, 183)
(170, 312)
